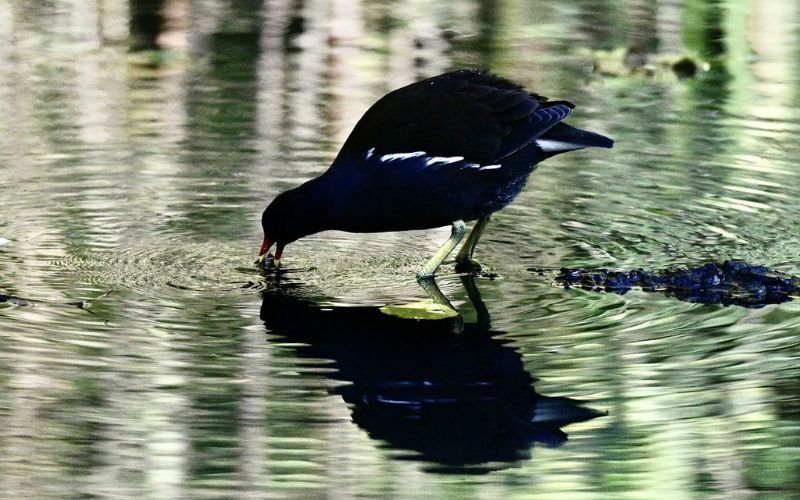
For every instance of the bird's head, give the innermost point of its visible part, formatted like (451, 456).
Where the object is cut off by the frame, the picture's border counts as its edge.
(289, 217)
(293, 214)
(277, 224)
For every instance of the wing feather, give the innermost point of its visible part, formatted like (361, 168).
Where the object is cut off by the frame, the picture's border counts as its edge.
(468, 113)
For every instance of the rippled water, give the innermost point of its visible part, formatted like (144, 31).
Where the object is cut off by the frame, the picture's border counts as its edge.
(141, 353)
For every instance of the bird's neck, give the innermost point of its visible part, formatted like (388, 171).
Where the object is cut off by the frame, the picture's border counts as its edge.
(314, 205)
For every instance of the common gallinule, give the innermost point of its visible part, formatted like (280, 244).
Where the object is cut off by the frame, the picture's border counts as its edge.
(453, 148)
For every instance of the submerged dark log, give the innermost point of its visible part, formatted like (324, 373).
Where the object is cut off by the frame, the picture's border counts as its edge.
(732, 282)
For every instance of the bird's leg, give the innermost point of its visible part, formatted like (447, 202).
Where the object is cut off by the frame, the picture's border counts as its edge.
(464, 261)
(429, 269)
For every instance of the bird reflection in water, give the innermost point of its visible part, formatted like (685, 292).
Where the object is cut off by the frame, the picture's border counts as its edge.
(447, 393)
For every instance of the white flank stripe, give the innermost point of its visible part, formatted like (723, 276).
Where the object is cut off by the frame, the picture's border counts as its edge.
(369, 154)
(490, 167)
(442, 159)
(551, 146)
(402, 156)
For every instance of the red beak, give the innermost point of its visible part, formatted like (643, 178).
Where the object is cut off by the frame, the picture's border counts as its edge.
(262, 254)
(265, 246)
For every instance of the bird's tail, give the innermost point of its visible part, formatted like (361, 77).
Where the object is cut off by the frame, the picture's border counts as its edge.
(562, 138)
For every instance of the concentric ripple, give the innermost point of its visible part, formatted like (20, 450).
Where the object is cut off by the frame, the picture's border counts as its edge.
(198, 267)
(342, 269)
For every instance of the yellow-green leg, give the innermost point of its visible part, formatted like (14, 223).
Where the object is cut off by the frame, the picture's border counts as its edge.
(457, 233)
(464, 261)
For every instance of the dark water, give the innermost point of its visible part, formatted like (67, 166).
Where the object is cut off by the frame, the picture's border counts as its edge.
(143, 355)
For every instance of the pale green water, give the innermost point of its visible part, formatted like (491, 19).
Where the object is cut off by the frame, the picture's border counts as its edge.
(138, 189)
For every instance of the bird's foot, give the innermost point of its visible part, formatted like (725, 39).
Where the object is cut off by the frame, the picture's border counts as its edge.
(468, 266)
(268, 263)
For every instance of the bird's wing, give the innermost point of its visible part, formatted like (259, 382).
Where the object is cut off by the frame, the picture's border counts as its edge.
(468, 113)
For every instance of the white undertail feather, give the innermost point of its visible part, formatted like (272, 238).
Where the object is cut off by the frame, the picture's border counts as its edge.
(553, 146)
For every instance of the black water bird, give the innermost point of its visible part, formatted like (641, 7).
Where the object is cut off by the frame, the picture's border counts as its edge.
(452, 148)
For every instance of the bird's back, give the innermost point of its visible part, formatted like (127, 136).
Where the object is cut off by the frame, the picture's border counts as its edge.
(456, 146)
(467, 113)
